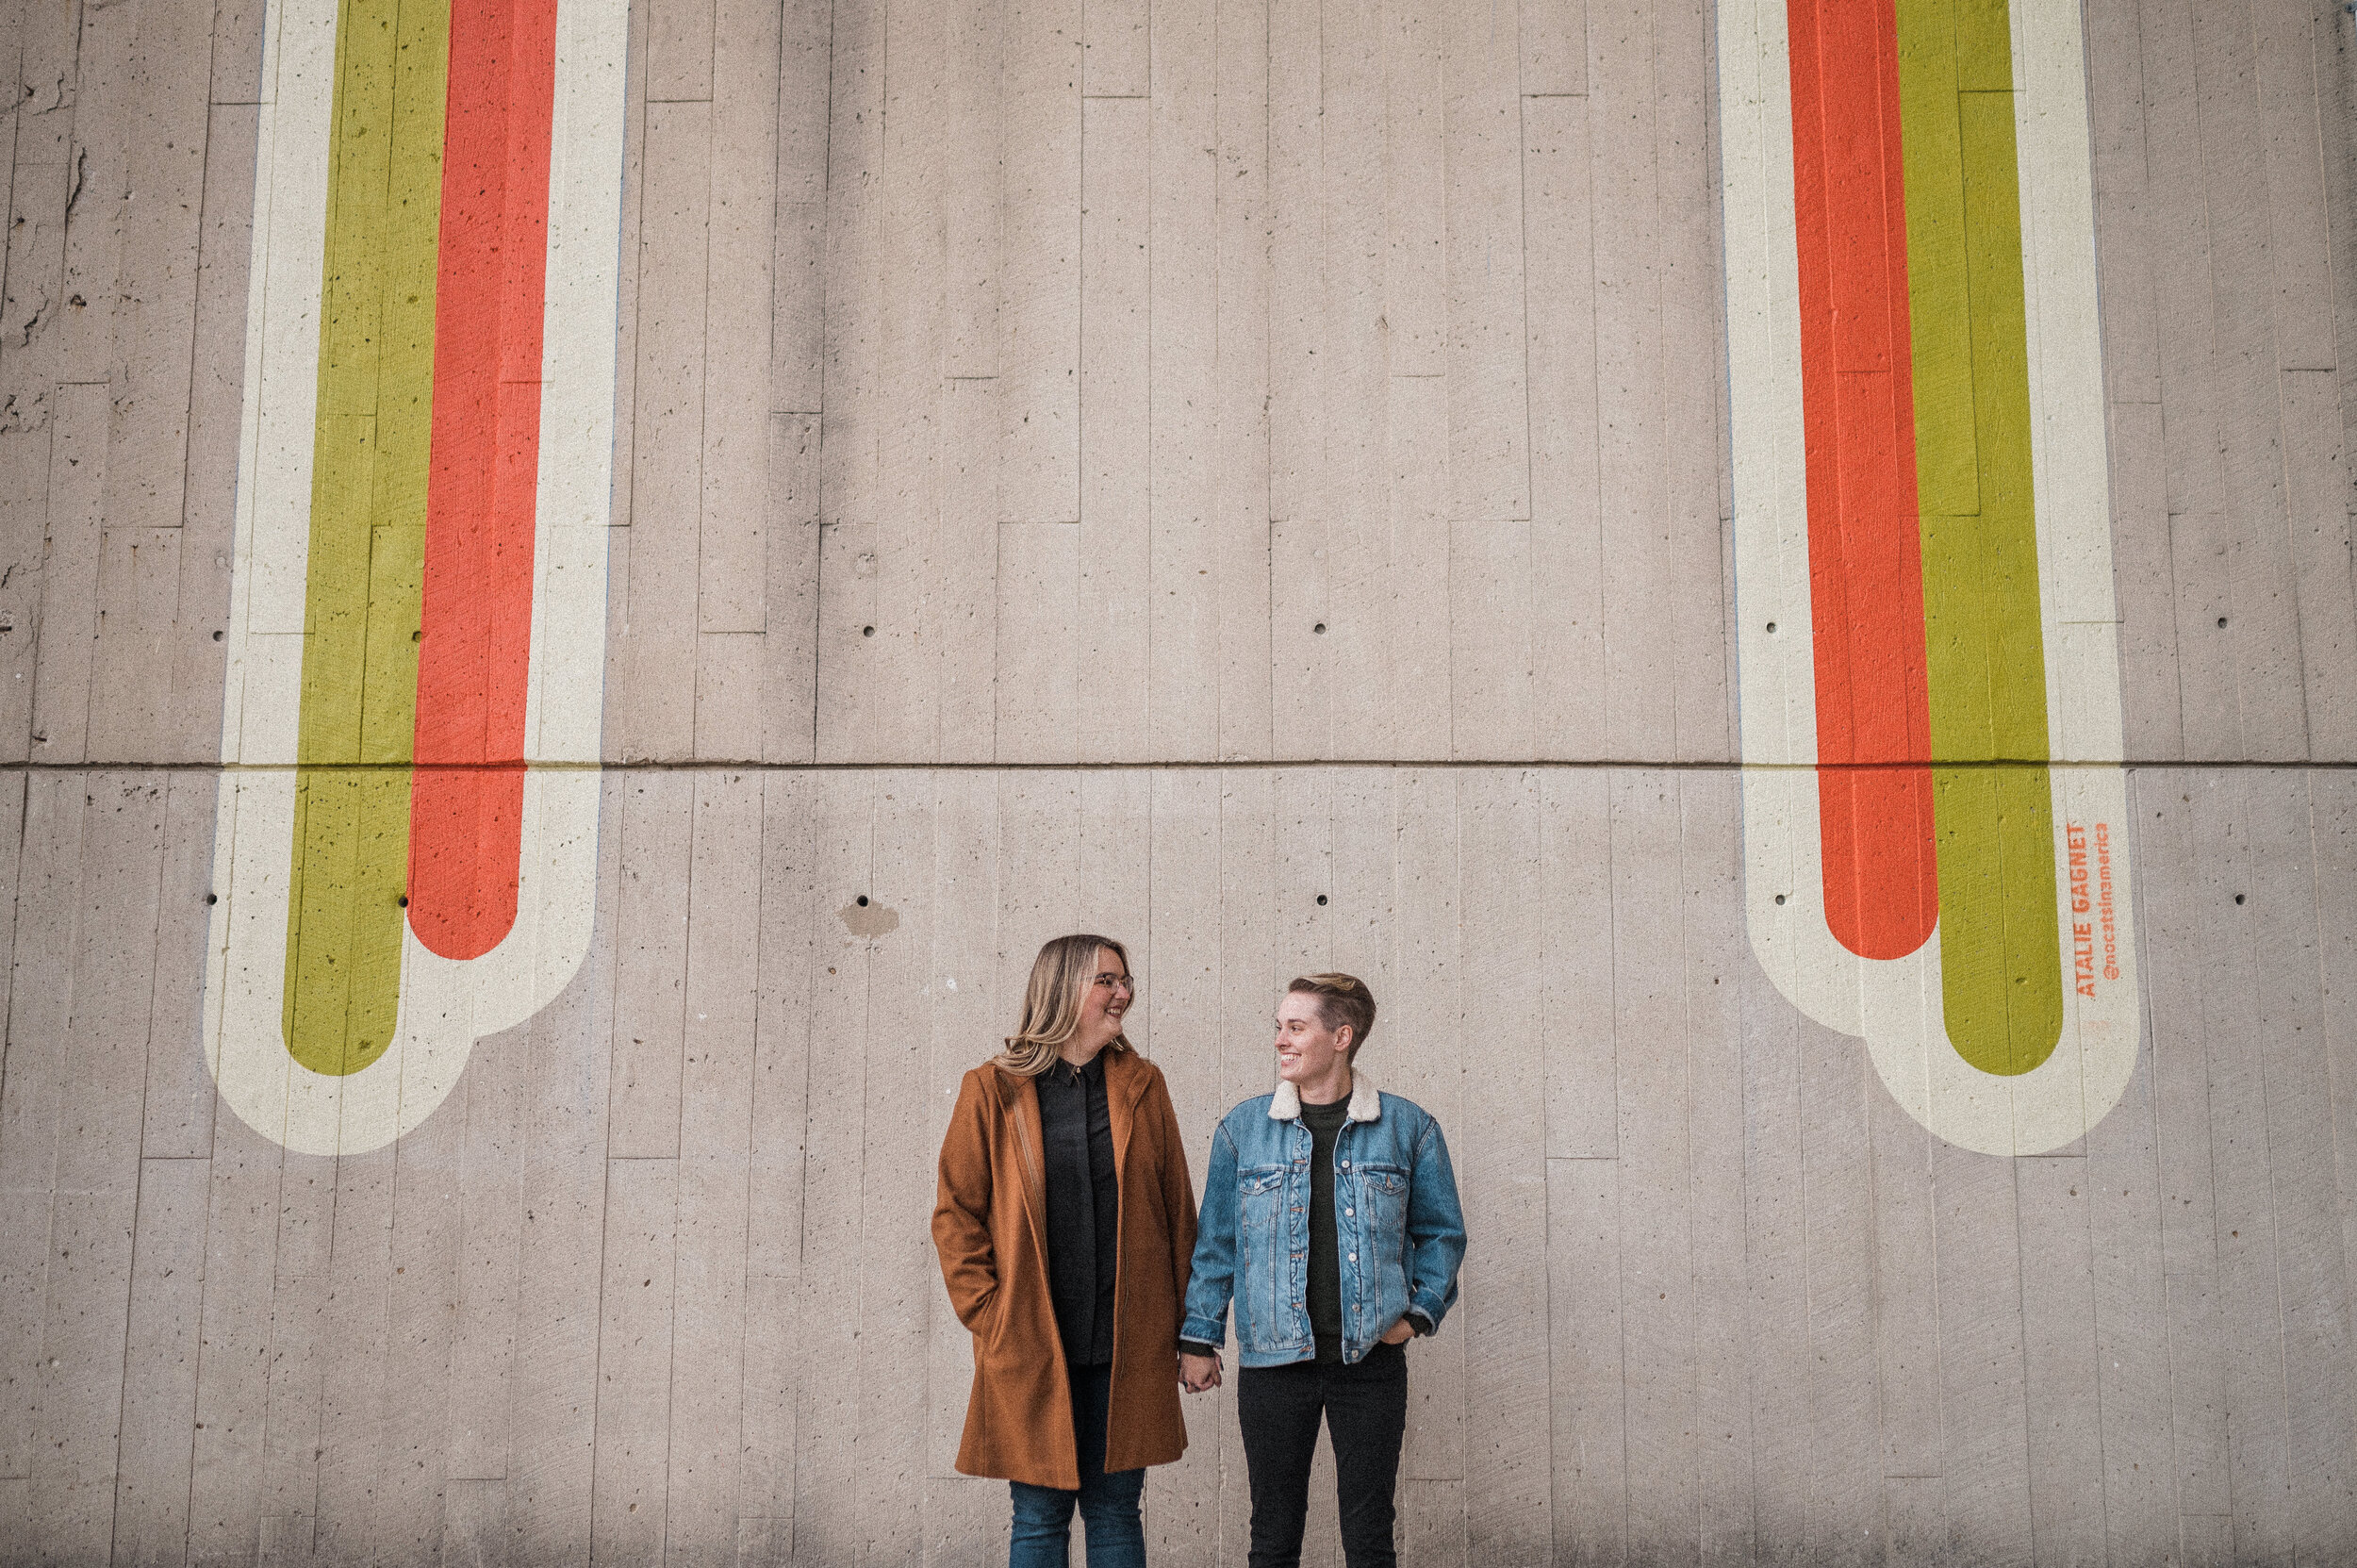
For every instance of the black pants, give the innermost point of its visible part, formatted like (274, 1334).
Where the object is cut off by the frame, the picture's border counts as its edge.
(1365, 1408)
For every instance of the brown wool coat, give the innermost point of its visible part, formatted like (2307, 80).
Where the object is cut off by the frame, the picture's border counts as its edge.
(990, 1225)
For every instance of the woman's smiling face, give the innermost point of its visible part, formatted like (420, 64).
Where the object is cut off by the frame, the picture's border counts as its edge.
(1109, 996)
(1306, 1050)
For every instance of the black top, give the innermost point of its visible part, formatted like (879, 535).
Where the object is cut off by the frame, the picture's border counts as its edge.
(1325, 1265)
(1083, 1208)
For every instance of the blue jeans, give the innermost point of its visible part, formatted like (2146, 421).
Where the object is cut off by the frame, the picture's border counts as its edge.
(1108, 1504)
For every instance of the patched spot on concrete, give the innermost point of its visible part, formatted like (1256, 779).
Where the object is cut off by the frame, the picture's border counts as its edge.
(868, 919)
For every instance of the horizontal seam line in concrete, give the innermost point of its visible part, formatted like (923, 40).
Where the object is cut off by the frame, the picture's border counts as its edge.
(720, 765)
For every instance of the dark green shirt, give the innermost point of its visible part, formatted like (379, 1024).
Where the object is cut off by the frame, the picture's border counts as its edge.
(1325, 1123)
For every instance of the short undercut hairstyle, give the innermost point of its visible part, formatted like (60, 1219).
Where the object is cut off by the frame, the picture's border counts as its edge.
(1341, 999)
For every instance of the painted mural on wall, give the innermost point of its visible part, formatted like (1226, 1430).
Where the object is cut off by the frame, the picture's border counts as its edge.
(1934, 811)
(417, 634)
(1934, 814)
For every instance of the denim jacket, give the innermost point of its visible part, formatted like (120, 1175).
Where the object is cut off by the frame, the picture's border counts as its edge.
(1397, 1225)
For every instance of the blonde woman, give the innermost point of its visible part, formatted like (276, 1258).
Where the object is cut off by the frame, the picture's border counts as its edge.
(1065, 1222)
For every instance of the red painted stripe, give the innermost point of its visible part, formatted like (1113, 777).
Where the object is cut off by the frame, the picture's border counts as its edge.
(1864, 549)
(465, 830)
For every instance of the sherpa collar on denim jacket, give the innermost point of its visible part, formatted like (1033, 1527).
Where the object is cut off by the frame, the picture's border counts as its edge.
(1366, 1102)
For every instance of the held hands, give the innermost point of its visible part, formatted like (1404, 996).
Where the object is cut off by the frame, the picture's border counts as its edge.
(1199, 1374)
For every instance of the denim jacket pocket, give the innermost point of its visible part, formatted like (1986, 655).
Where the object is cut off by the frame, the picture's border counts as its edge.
(1383, 1189)
(1260, 1198)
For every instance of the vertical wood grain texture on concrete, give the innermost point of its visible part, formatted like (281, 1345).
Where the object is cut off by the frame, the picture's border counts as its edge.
(209, 496)
(486, 1298)
(1908, 1341)
(1711, 839)
(2244, 1228)
(1775, 1224)
(1183, 1500)
(106, 65)
(292, 1427)
(1649, 956)
(787, 943)
(151, 1508)
(635, 1404)
(826, 1421)
(41, 1003)
(2063, 1409)
(1179, 184)
(553, 1419)
(96, 1175)
(710, 1345)
(655, 705)
(1509, 1473)
(900, 677)
(2182, 1130)
(428, 1260)
(651, 928)
(1484, 358)
(1566, 536)
(1039, 299)
(1117, 541)
(897, 1266)
(1242, 435)
(233, 1350)
(1172, 463)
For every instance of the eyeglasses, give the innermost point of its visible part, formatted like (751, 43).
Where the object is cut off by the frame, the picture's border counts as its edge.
(1116, 983)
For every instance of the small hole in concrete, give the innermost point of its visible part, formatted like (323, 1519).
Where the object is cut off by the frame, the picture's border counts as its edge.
(1771, 628)
(2238, 898)
(216, 637)
(2221, 620)
(863, 900)
(212, 898)
(1319, 628)
(405, 900)
(418, 636)
(1779, 898)
(1321, 900)
(867, 631)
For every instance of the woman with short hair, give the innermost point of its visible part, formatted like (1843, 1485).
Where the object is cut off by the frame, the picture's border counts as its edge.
(1330, 1220)
(1065, 1222)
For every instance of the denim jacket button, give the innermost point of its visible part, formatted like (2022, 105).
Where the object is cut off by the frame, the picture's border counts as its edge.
(1354, 1257)
(1350, 1213)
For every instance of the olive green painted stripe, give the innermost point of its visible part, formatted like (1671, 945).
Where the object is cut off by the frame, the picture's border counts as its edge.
(361, 608)
(2002, 983)
(351, 846)
(1999, 969)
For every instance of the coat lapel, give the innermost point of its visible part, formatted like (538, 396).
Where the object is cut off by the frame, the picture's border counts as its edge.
(1125, 1082)
(1030, 1146)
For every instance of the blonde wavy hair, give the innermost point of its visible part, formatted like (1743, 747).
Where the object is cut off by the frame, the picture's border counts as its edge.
(1060, 978)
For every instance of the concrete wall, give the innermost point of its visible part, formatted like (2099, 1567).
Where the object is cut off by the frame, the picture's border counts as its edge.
(1264, 479)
